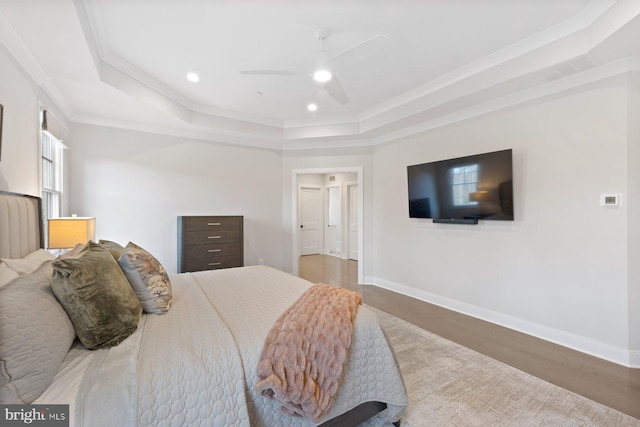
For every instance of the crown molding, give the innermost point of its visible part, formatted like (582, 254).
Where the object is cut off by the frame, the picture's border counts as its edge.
(557, 86)
(206, 134)
(518, 73)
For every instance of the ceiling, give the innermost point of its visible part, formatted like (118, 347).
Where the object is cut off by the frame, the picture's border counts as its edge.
(124, 63)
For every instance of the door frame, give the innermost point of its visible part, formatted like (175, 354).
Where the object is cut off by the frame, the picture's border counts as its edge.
(327, 205)
(349, 186)
(294, 214)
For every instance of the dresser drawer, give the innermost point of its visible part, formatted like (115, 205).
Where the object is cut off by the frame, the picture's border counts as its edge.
(199, 264)
(207, 236)
(214, 249)
(212, 223)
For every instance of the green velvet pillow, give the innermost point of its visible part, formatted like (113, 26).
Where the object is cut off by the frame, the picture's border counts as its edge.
(97, 297)
(115, 248)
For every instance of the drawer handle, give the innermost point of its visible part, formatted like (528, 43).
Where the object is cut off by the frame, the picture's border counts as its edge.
(214, 250)
(214, 223)
(214, 237)
(214, 263)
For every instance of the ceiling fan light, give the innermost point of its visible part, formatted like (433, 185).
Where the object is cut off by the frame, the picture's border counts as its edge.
(322, 76)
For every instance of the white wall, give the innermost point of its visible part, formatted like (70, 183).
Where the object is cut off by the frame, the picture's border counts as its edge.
(136, 185)
(20, 156)
(633, 206)
(311, 179)
(560, 269)
(20, 140)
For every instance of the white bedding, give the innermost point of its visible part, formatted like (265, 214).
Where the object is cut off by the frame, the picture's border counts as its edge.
(196, 365)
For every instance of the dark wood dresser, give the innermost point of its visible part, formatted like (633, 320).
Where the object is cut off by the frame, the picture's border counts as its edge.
(209, 242)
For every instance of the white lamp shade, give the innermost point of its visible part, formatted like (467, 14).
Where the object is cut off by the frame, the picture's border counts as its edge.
(65, 233)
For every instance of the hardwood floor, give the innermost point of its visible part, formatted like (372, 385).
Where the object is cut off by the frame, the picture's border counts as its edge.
(604, 382)
(330, 269)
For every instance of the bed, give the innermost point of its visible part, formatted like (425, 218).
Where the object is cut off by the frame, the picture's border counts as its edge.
(195, 364)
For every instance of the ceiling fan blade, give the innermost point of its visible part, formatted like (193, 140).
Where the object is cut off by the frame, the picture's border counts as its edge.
(273, 73)
(336, 91)
(359, 51)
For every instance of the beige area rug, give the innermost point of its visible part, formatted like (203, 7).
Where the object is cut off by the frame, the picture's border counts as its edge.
(451, 385)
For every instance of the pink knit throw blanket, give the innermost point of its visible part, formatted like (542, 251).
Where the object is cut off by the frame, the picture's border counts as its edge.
(304, 353)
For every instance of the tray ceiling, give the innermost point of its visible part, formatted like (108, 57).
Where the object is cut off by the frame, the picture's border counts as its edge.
(124, 63)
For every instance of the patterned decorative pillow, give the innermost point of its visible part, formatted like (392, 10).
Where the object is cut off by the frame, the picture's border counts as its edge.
(116, 249)
(97, 297)
(29, 263)
(36, 334)
(148, 278)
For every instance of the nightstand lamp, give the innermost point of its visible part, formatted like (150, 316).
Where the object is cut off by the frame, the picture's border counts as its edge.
(480, 196)
(66, 232)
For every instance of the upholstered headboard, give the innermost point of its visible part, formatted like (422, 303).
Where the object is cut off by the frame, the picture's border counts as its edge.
(20, 225)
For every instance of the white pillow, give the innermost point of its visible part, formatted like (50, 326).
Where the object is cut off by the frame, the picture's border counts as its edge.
(6, 274)
(30, 263)
(36, 335)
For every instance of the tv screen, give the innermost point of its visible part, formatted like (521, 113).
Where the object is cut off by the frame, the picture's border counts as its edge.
(470, 188)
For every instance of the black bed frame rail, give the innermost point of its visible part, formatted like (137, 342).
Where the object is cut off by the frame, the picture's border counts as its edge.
(357, 415)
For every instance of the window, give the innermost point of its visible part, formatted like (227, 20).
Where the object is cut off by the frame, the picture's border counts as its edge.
(464, 182)
(51, 172)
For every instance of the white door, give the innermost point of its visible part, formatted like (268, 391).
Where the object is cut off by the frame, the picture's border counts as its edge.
(310, 219)
(353, 222)
(333, 231)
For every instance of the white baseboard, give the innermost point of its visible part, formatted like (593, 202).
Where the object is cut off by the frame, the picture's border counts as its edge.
(583, 344)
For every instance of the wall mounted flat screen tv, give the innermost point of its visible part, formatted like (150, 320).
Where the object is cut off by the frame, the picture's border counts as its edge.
(464, 189)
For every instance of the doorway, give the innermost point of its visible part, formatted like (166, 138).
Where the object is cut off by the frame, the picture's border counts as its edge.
(353, 207)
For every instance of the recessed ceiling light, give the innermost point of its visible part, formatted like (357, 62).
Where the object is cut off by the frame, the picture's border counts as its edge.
(193, 77)
(312, 107)
(322, 76)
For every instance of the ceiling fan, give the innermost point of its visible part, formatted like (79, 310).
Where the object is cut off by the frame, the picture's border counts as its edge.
(325, 72)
